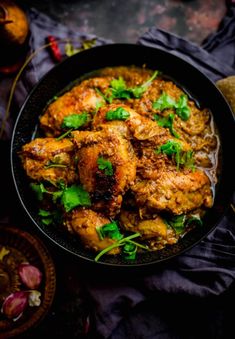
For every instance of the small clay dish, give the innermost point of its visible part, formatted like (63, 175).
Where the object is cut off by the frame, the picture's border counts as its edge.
(21, 247)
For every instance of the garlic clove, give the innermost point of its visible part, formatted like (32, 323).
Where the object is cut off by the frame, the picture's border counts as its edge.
(30, 275)
(34, 298)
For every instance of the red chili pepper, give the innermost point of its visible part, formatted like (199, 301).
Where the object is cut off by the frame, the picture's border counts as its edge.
(54, 48)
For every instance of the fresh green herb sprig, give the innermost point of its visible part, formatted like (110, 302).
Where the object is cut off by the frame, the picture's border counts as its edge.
(167, 122)
(75, 196)
(181, 106)
(138, 91)
(165, 101)
(75, 121)
(123, 242)
(50, 217)
(52, 164)
(119, 90)
(110, 230)
(71, 122)
(105, 165)
(181, 222)
(69, 197)
(129, 251)
(171, 148)
(174, 149)
(118, 114)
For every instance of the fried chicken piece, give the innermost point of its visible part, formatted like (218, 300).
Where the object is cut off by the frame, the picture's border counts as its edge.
(140, 127)
(148, 228)
(174, 191)
(106, 187)
(82, 98)
(48, 159)
(83, 222)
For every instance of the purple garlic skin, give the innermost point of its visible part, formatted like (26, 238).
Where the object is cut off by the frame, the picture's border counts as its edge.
(15, 304)
(30, 276)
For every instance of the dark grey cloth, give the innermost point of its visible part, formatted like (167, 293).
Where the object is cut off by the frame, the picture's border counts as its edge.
(119, 306)
(41, 26)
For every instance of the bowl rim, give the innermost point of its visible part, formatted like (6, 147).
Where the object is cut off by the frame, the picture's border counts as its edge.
(54, 70)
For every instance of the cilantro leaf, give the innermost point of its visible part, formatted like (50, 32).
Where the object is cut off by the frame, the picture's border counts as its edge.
(187, 160)
(171, 148)
(75, 121)
(44, 213)
(39, 190)
(167, 122)
(105, 165)
(110, 230)
(164, 102)
(181, 106)
(129, 251)
(118, 84)
(75, 196)
(119, 90)
(195, 220)
(50, 217)
(138, 91)
(182, 109)
(177, 223)
(117, 114)
(47, 217)
(180, 222)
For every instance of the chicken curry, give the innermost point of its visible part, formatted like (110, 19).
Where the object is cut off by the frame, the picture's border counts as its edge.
(125, 160)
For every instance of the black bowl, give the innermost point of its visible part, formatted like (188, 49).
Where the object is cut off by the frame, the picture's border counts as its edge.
(185, 75)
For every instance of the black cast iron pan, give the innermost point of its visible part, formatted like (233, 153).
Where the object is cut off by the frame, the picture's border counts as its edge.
(187, 76)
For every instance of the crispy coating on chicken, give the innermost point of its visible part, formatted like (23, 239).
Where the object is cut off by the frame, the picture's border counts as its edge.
(107, 189)
(47, 159)
(82, 98)
(83, 222)
(174, 191)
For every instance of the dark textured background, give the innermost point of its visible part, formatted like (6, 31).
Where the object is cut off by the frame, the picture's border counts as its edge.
(125, 20)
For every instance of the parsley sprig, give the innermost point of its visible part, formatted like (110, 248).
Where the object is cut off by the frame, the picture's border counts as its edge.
(165, 101)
